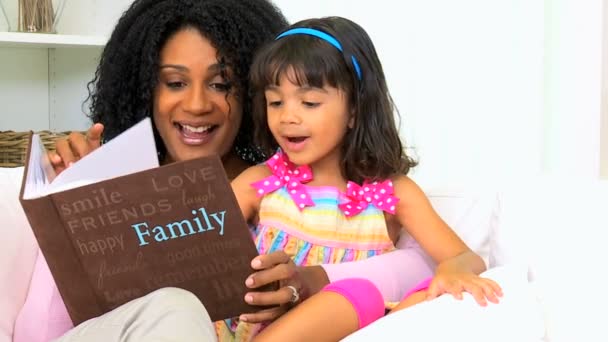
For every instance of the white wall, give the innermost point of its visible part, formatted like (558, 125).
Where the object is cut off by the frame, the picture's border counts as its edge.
(81, 17)
(42, 88)
(573, 88)
(604, 119)
(23, 89)
(487, 89)
(466, 76)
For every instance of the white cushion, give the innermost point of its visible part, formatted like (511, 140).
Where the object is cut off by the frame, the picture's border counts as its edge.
(471, 213)
(515, 318)
(558, 227)
(17, 253)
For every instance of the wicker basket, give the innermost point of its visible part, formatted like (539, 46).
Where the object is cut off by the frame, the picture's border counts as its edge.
(13, 145)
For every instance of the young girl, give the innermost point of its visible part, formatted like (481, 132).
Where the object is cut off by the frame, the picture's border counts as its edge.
(337, 189)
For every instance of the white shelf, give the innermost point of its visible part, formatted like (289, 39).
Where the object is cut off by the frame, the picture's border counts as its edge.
(45, 41)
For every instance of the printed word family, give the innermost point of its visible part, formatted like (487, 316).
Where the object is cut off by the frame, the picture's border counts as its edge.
(179, 229)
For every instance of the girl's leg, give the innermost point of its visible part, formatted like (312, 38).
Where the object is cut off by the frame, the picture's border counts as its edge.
(168, 314)
(340, 309)
(414, 296)
(411, 300)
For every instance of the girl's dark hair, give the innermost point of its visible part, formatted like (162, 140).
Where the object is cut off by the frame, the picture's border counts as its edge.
(372, 149)
(121, 93)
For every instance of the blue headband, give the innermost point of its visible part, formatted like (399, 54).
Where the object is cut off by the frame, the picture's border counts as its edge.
(326, 37)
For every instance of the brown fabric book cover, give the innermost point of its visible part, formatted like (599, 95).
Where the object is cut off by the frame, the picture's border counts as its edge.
(112, 241)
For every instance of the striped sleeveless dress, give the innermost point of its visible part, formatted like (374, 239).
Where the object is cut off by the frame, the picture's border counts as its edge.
(318, 234)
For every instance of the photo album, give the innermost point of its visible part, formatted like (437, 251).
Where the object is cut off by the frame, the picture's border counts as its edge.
(115, 226)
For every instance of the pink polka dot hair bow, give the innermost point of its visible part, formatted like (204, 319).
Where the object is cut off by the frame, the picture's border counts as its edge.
(285, 173)
(358, 197)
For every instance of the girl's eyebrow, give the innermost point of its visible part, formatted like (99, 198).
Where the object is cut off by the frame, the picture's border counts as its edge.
(307, 88)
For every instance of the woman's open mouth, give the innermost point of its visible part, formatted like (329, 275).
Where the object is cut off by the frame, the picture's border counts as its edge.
(195, 135)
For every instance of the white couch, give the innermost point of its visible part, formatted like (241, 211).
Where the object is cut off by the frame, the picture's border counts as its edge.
(550, 233)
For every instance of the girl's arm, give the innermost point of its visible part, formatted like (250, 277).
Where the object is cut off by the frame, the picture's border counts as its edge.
(416, 215)
(458, 267)
(393, 273)
(245, 194)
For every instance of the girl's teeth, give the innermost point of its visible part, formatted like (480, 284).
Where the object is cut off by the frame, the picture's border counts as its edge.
(193, 129)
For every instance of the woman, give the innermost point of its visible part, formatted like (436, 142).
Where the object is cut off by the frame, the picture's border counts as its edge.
(185, 64)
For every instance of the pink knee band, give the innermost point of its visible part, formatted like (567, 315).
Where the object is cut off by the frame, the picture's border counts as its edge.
(364, 297)
(422, 286)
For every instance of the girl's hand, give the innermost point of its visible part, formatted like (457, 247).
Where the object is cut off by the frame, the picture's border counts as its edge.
(482, 289)
(71, 149)
(272, 267)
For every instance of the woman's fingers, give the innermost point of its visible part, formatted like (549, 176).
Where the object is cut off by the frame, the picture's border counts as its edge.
(270, 260)
(283, 273)
(266, 315)
(56, 162)
(272, 267)
(94, 136)
(78, 144)
(278, 297)
(63, 149)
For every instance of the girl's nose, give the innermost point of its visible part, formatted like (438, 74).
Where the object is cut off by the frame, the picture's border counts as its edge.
(289, 116)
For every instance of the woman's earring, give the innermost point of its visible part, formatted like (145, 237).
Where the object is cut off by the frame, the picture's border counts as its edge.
(351, 122)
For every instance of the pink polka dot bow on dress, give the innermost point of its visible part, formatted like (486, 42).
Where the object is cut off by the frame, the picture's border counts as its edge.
(286, 173)
(359, 196)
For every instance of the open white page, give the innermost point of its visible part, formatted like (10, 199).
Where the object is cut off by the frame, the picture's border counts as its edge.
(132, 151)
(40, 171)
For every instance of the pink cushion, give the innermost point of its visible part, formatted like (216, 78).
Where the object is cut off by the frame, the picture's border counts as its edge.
(17, 253)
(43, 316)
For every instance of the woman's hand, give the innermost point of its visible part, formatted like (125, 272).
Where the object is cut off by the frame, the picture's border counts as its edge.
(278, 266)
(71, 149)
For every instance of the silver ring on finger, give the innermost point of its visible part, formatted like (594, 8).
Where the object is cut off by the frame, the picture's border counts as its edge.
(295, 294)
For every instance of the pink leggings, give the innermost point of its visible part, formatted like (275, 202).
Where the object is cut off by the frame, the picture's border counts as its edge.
(365, 297)
(422, 286)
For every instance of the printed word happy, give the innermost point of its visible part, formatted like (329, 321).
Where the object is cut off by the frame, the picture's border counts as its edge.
(108, 244)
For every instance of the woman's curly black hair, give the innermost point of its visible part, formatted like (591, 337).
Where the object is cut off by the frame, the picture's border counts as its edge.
(121, 93)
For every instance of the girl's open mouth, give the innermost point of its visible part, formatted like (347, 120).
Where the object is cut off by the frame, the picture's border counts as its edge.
(295, 144)
(296, 139)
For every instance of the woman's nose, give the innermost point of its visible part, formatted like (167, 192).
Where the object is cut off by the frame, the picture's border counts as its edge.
(197, 101)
